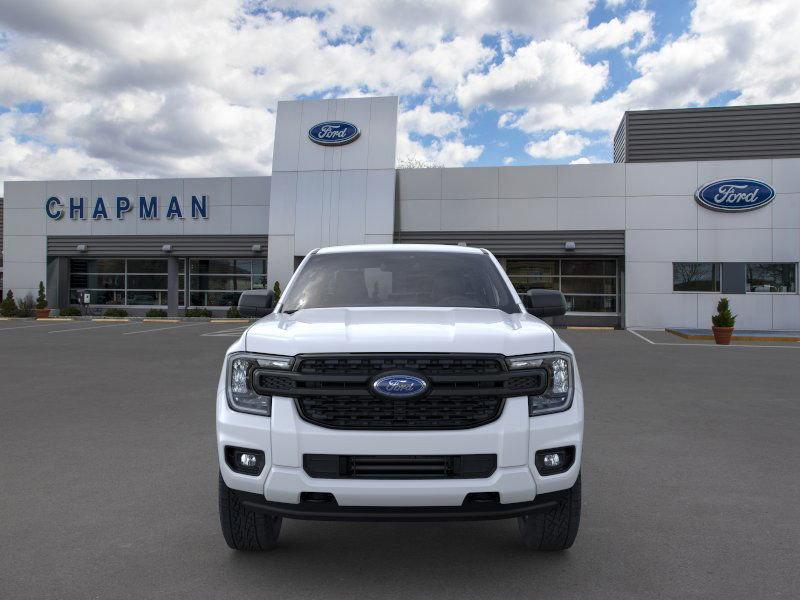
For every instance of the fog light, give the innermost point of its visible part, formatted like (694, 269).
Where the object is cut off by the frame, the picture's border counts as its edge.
(551, 461)
(248, 460)
(554, 460)
(244, 460)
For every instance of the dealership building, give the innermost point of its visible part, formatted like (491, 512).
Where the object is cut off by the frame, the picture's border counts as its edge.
(699, 203)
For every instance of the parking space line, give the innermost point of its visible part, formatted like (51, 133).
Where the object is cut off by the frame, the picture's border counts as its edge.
(690, 345)
(88, 328)
(235, 332)
(28, 326)
(162, 328)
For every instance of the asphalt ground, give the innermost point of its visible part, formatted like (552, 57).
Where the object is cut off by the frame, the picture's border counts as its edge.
(691, 480)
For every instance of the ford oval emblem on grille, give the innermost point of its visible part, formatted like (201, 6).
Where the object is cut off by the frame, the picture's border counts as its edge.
(399, 386)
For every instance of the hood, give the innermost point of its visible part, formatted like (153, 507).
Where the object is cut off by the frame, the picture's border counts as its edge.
(333, 330)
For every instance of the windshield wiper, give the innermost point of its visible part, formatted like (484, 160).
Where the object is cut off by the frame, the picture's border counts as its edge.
(290, 311)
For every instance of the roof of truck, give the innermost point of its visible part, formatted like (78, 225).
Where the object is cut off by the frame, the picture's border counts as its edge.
(400, 248)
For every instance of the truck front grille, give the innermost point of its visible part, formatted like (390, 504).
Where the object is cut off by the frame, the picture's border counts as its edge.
(465, 390)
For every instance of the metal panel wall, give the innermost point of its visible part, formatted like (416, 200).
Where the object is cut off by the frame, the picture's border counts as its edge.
(151, 245)
(525, 243)
(723, 133)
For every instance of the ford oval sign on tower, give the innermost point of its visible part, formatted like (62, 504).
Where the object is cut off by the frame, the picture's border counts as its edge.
(735, 195)
(333, 133)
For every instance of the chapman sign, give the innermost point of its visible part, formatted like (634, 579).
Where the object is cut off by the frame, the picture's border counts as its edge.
(147, 208)
(735, 195)
(333, 133)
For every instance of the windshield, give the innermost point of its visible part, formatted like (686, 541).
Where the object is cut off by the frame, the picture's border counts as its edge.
(399, 279)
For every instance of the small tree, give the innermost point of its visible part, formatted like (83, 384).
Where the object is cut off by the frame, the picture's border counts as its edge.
(276, 289)
(41, 299)
(25, 306)
(724, 316)
(8, 307)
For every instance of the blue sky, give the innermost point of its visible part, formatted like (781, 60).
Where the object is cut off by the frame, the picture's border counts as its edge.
(160, 88)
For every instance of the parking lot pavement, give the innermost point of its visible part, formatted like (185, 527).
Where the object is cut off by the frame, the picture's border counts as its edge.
(109, 472)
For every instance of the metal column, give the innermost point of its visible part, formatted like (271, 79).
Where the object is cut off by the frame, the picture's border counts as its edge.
(172, 286)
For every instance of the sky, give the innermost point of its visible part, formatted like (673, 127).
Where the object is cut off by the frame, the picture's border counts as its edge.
(180, 88)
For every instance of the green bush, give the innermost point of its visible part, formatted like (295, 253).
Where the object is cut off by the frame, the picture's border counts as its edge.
(276, 289)
(724, 316)
(41, 299)
(8, 307)
(71, 311)
(115, 312)
(25, 306)
(197, 312)
(233, 313)
(156, 312)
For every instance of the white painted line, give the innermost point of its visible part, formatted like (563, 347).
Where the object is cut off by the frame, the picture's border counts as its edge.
(235, 332)
(88, 328)
(638, 335)
(687, 343)
(161, 329)
(29, 326)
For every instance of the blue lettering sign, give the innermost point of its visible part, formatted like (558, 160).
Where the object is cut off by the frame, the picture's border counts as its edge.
(199, 207)
(76, 207)
(54, 208)
(148, 210)
(333, 133)
(174, 209)
(734, 195)
(99, 209)
(123, 206)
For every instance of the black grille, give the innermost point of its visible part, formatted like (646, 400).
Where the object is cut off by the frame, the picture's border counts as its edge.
(464, 390)
(334, 466)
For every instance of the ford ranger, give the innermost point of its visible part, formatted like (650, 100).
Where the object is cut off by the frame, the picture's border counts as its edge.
(400, 382)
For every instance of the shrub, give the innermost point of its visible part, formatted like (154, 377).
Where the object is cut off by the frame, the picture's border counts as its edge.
(71, 311)
(25, 306)
(115, 312)
(276, 289)
(41, 299)
(8, 307)
(724, 316)
(197, 312)
(233, 313)
(156, 312)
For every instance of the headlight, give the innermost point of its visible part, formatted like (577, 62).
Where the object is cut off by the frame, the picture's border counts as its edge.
(239, 381)
(560, 381)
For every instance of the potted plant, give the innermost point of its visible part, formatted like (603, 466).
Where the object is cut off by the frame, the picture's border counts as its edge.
(723, 322)
(42, 312)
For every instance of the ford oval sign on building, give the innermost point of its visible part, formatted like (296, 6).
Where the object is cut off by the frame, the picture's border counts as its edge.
(333, 133)
(735, 195)
(399, 386)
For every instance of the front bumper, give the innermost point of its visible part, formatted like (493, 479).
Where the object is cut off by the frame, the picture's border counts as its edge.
(285, 437)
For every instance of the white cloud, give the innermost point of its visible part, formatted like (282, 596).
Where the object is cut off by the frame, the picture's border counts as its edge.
(618, 32)
(559, 145)
(581, 161)
(509, 160)
(539, 72)
(423, 120)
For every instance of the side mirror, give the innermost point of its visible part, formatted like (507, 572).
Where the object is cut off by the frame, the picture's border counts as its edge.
(545, 303)
(256, 303)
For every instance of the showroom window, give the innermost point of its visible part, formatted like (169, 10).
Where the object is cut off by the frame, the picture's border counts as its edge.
(772, 277)
(220, 281)
(696, 277)
(589, 285)
(122, 282)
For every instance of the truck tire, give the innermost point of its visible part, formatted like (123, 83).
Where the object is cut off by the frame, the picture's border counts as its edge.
(243, 528)
(556, 528)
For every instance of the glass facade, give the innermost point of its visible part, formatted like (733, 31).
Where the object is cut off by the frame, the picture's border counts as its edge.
(589, 285)
(772, 277)
(695, 277)
(119, 281)
(220, 281)
(213, 282)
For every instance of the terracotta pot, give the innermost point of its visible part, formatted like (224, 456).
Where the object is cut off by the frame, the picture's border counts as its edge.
(42, 313)
(722, 335)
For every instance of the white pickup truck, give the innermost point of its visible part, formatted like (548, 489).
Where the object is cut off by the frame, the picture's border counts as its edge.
(403, 383)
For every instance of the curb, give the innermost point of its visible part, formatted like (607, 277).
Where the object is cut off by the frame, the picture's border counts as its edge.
(735, 338)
